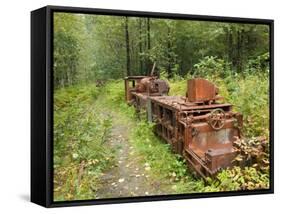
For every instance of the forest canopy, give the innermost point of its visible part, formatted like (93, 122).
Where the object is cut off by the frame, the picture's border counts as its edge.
(92, 47)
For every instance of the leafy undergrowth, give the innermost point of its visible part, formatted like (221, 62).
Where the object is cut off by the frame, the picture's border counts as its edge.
(80, 130)
(167, 167)
(80, 155)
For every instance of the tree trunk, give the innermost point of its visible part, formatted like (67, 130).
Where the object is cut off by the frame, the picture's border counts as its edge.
(140, 46)
(238, 57)
(148, 46)
(230, 48)
(169, 45)
(148, 33)
(127, 46)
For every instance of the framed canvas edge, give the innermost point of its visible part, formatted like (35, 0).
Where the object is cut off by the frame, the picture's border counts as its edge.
(38, 172)
(49, 105)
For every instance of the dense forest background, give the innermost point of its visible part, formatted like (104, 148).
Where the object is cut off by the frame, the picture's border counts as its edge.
(92, 47)
(97, 135)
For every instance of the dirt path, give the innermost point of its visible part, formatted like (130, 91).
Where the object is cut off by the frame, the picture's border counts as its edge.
(128, 177)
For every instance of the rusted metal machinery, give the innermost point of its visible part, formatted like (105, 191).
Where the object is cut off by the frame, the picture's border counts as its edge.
(199, 126)
(139, 88)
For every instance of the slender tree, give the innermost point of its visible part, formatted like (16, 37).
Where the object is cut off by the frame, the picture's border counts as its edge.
(140, 45)
(169, 51)
(148, 44)
(127, 40)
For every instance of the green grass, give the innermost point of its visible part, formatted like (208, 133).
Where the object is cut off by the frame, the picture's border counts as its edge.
(167, 168)
(80, 155)
(81, 127)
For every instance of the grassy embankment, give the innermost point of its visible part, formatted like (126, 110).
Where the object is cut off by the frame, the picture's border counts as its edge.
(80, 132)
(80, 156)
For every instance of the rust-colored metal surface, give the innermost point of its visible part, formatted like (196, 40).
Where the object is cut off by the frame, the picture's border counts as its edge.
(138, 88)
(201, 90)
(200, 127)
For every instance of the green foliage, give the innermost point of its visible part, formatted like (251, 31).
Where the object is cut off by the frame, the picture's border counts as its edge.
(178, 88)
(92, 47)
(238, 179)
(80, 155)
(66, 49)
(258, 64)
(157, 153)
(251, 98)
(210, 65)
(114, 94)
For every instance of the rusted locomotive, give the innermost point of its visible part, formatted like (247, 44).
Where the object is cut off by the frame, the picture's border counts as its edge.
(199, 126)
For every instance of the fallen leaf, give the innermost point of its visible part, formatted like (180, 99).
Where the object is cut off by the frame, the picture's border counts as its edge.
(75, 155)
(121, 180)
(147, 168)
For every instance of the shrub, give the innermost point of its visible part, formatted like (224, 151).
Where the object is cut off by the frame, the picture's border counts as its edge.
(210, 65)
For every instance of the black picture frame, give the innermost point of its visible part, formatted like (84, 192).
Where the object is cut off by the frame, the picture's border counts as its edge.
(42, 104)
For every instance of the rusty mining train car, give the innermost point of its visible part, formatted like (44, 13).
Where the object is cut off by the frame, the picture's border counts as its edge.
(199, 126)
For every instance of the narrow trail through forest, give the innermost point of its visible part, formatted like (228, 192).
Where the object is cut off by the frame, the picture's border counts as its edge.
(128, 177)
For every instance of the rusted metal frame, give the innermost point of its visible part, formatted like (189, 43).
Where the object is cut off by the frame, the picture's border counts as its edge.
(195, 168)
(134, 77)
(199, 111)
(167, 122)
(200, 161)
(166, 138)
(173, 116)
(212, 106)
(204, 126)
(219, 159)
(180, 137)
(166, 105)
(167, 127)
